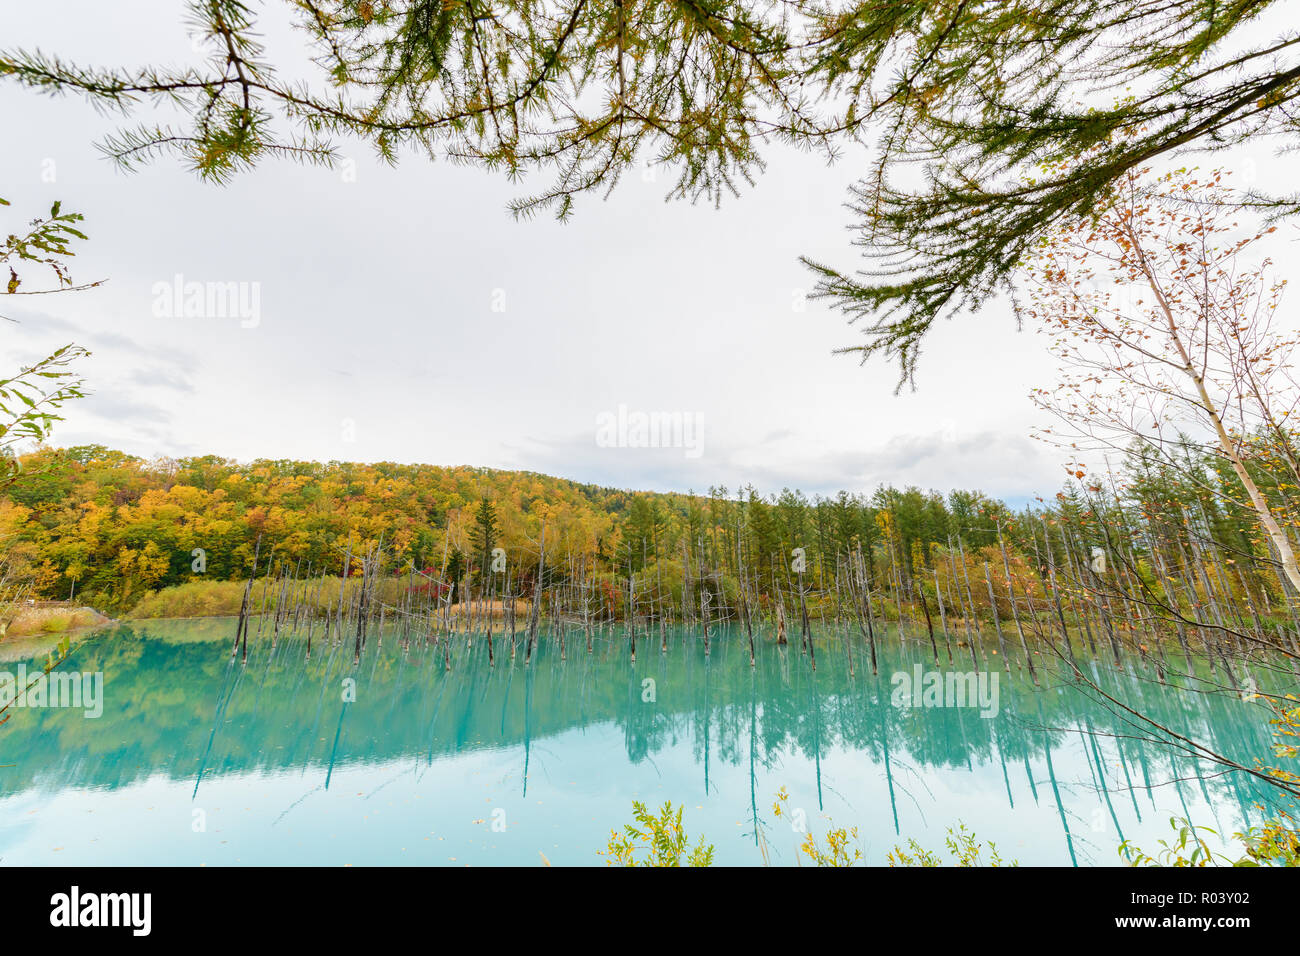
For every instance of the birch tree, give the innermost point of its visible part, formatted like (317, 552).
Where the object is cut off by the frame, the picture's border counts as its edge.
(1167, 323)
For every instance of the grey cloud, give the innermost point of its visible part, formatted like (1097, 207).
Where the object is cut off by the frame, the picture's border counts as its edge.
(32, 324)
(1004, 465)
(113, 340)
(117, 407)
(161, 378)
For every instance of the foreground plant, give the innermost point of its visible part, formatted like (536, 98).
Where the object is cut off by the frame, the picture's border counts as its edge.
(836, 852)
(655, 841)
(1276, 843)
(30, 399)
(841, 849)
(53, 659)
(962, 847)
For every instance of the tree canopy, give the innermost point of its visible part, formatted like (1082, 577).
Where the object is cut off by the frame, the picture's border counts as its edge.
(969, 107)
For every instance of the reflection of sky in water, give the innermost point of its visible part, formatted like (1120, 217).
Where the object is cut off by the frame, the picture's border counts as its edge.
(198, 761)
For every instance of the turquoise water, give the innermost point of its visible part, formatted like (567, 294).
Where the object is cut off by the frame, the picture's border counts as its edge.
(198, 760)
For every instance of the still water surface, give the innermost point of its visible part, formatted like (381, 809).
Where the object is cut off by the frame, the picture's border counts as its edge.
(198, 760)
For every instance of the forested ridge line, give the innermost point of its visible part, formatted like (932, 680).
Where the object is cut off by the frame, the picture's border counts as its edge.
(111, 529)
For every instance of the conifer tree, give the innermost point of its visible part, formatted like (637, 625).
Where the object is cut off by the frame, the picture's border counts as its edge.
(483, 535)
(988, 97)
(642, 531)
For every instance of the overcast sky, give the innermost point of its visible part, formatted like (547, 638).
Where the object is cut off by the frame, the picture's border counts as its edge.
(403, 315)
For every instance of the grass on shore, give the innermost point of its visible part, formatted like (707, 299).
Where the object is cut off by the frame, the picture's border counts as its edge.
(30, 621)
(223, 598)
